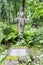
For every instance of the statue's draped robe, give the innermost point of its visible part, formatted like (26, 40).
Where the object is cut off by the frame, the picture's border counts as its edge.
(20, 25)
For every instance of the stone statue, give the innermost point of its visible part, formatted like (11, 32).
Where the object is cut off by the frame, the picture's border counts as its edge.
(21, 20)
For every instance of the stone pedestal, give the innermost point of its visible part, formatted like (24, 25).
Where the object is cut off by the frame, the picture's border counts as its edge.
(16, 55)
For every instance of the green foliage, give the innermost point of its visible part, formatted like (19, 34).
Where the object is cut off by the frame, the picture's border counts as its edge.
(38, 38)
(34, 9)
(33, 32)
(9, 9)
(10, 32)
(2, 48)
(3, 11)
(32, 36)
(1, 32)
(29, 34)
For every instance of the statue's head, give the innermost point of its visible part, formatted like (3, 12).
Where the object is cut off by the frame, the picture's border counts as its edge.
(21, 14)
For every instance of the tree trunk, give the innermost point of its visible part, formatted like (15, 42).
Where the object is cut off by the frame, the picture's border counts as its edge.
(23, 4)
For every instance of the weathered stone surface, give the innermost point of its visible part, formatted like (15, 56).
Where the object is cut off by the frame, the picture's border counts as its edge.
(21, 21)
(21, 53)
(12, 62)
(17, 52)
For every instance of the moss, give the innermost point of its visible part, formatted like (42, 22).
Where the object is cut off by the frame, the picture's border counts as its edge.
(12, 58)
(23, 64)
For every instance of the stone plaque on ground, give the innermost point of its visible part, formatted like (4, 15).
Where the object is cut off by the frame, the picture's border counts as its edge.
(16, 54)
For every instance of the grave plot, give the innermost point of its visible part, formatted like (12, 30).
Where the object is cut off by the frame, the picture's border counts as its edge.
(16, 55)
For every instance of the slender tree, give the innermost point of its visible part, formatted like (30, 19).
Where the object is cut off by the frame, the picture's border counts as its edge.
(23, 4)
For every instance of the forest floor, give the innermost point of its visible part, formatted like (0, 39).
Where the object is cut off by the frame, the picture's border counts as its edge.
(35, 51)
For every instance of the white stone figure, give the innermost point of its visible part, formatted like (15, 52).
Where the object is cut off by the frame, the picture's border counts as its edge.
(21, 20)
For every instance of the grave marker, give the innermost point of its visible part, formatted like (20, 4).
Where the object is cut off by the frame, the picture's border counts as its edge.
(16, 54)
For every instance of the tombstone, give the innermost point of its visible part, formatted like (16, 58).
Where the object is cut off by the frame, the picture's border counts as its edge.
(18, 54)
